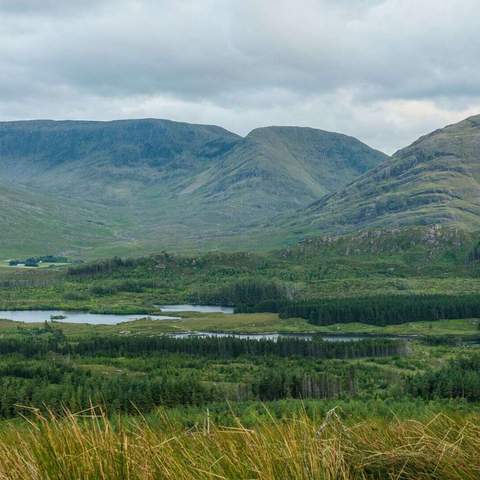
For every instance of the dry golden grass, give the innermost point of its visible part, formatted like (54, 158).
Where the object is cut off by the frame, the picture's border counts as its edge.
(89, 447)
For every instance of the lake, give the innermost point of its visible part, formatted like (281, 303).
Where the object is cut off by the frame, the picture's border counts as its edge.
(38, 316)
(195, 308)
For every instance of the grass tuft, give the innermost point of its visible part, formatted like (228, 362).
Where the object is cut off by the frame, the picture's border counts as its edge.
(89, 446)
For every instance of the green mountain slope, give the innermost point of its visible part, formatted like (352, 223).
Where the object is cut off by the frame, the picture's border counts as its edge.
(433, 181)
(152, 184)
(110, 160)
(290, 166)
(33, 220)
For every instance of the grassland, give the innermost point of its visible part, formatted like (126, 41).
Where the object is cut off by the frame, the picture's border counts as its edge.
(440, 448)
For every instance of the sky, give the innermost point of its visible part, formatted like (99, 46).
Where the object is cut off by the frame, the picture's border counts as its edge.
(384, 71)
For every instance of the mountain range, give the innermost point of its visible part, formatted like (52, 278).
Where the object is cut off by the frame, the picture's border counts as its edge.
(436, 180)
(85, 188)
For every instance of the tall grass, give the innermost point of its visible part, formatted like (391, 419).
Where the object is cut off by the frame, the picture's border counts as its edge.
(88, 446)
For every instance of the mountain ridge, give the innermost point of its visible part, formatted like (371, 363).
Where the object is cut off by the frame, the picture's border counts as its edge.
(148, 184)
(175, 184)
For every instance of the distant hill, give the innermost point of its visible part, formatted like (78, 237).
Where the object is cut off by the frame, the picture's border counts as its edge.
(433, 181)
(98, 188)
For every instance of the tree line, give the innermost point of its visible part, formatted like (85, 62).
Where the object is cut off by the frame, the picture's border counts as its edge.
(275, 384)
(249, 291)
(376, 310)
(103, 266)
(35, 261)
(223, 347)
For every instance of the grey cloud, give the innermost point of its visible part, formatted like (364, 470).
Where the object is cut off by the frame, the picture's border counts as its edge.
(353, 65)
(46, 7)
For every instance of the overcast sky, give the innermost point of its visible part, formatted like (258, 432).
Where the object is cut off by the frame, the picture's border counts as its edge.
(385, 71)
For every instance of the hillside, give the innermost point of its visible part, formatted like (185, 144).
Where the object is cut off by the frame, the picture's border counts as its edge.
(30, 218)
(111, 160)
(433, 181)
(290, 164)
(144, 185)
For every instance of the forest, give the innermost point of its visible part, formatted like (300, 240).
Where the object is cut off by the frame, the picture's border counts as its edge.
(375, 310)
(49, 370)
(459, 378)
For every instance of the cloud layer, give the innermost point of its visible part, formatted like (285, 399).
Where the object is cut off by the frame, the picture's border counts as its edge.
(385, 71)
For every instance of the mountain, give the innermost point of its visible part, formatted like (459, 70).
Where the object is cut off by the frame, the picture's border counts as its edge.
(118, 156)
(290, 164)
(436, 180)
(143, 185)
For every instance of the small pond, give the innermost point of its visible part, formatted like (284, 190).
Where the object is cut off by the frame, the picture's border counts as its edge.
(38, 316)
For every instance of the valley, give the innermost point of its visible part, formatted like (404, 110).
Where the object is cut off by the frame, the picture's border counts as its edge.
(181, 279)
(239, 240)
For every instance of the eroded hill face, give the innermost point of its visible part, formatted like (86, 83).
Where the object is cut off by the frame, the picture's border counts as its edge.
(139, 185)
(433, 181)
